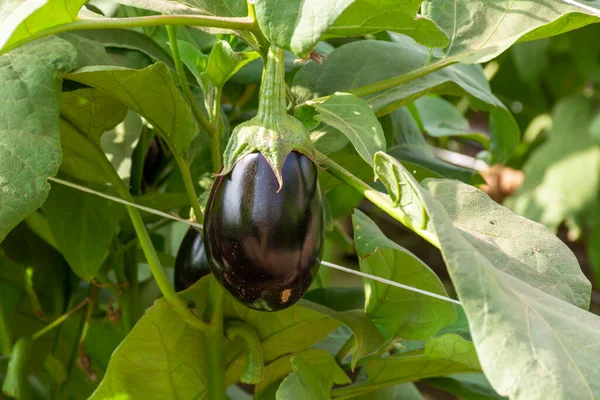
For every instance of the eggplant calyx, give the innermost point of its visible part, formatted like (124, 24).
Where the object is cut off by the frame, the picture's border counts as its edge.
(273, 132)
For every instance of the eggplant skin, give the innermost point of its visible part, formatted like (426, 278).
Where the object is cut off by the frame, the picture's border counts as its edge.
(191, 263)
(263, 244)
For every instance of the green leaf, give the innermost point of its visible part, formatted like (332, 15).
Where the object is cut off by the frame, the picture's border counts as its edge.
(281, 367)
(398, 312)
(496, 233)
(30, 82)
(83, 226)
(194, 59)
(128, 39)
(162, 357)
(530, 344)
(223, 63)
(298, 24)
(20, 20)
(82, 158)
(89, 52)
(452, 347)
(120, 142)
(407, 144)
(384, 60)
(151, 93)
(371, 16)
(557, 185)
(367, 339)
(91, 111)
(500, 24)
(15, 383)
(440, 118)
(352, 116)
(466, 386)
(312, 378)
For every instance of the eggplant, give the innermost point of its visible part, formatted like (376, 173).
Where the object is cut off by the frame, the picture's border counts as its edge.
(264, 242)
(191, 263)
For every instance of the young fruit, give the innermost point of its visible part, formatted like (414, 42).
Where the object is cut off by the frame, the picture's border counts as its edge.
(191, 263)
(264, 243)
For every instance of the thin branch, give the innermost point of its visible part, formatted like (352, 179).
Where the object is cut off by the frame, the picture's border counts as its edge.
(239, 23)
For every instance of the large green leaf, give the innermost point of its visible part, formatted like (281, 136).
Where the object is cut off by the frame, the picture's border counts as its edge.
(479, 30)
(82, 158)
(398, 312)
(560, 182)
(494, 231)
(30, 83)
(91, 111)
(298, 24)
(383, 60)
(161, 358)
(83, 226)
(20, 20)
(371, 16)
(530, 344)
(150, 92)
(352, 116)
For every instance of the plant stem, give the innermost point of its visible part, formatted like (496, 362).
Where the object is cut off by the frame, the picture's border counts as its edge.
(33, 298)
(376, 197)
(398, 80)
(253, 352)
(189, 186)
(243, 23)
(153, 261)
(262, 41)
(118, 265)
(59, 320)
(88, 316)
(215, 143)
(185, 87)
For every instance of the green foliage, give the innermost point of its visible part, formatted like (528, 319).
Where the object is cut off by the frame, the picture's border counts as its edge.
(172, 119)
(87, 309)
(353, 117)
(398, 312)
(570, 147)
(30, 147)
(401, 57)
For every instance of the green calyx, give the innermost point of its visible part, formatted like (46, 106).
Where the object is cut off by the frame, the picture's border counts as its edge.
(273, 132)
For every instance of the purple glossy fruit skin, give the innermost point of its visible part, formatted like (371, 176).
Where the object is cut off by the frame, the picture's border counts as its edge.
(265, 245)
(191, 263)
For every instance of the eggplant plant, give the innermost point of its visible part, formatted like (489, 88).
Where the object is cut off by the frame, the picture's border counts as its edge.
(299, 200)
